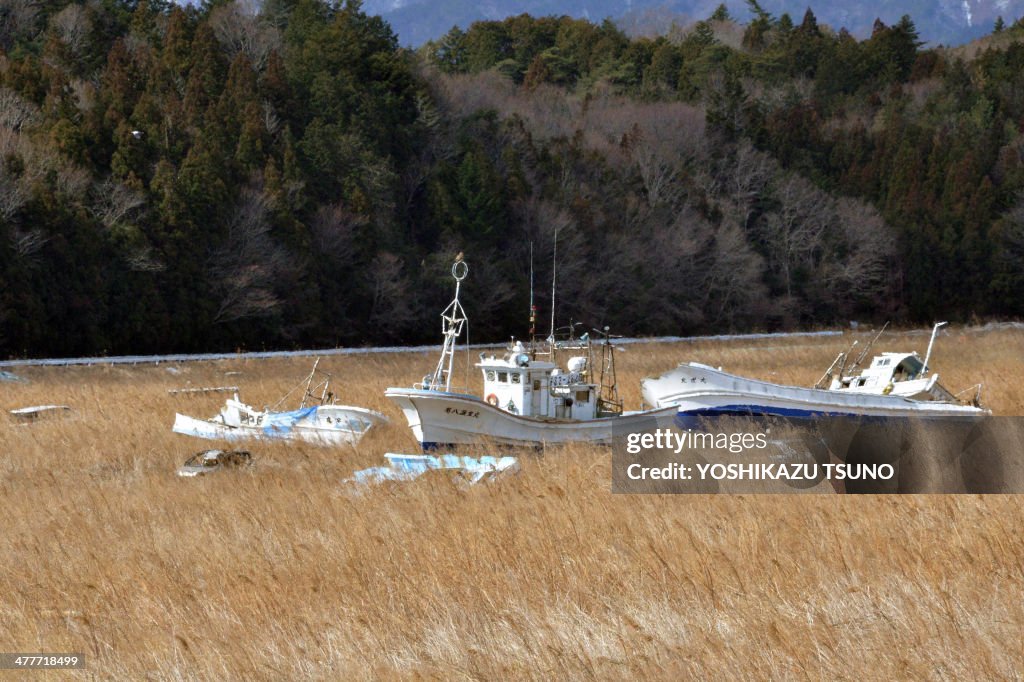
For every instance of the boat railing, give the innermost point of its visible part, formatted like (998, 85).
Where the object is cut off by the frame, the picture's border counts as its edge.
(428, 385)
(975, 400)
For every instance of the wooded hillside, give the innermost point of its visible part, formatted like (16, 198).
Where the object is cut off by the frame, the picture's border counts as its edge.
(217, 177)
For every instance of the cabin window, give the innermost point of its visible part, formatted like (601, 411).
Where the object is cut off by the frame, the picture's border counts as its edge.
(536, 384)
(490, 375)
(884, 362)
(503, 377)
(582, 396)
(516, 377)
(861, 382)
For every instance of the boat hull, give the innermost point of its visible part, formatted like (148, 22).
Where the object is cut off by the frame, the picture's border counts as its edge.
(698, 390)
(322, 425)
(441, 418)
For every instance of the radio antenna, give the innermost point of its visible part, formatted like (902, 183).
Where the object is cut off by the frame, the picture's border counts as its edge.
(533, 308)
(554, 268)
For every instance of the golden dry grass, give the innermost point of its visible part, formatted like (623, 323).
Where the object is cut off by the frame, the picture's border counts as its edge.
(282, 572)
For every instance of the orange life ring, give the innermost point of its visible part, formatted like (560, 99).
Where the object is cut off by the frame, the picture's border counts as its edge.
(492, 400)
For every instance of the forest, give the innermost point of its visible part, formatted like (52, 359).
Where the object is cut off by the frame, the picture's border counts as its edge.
(243, 175)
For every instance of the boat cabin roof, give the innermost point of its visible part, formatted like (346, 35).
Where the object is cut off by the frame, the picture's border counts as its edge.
(515, 361)
(902, 365)
(907, 360)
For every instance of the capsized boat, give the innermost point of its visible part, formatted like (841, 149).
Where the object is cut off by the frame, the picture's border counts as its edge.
(893, 385)
(529, 401)
(402, 467)
(323, 423)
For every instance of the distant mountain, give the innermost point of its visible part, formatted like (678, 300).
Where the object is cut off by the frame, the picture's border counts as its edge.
(949, 22)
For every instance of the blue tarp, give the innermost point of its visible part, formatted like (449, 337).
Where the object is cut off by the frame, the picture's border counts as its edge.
(279, 424)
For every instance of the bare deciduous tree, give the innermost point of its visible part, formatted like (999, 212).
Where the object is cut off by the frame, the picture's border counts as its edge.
(271, 121)
(748, 177)
(333, 229)
(735, 287)
(27, 242)
(71, 181)
(84, 93)
(12, 196)
(657, 171)
(248, 265)
(115, 203)
(793, 232)
(15, 111)
(72, 26)
(865, 266)
(240, 28)
(391, 306)
(142, 259)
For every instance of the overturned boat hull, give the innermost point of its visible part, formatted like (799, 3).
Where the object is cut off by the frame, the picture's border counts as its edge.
(402, 467)
(699, 390)
(443, 418)
(318, 425)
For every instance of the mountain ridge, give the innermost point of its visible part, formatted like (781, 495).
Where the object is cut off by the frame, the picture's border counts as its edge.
(948, 22)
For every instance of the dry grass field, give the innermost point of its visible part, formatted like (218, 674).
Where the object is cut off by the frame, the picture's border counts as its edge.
(283, 572)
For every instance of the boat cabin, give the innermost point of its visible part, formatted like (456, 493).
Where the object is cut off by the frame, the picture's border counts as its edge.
(522, 385)
(884, 369)
(902, 374)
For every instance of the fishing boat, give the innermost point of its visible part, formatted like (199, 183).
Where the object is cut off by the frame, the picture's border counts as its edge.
(322, 423)
(530, 399)
(892, 385)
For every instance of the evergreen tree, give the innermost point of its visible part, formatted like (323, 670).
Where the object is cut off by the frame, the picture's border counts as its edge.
(721, 13)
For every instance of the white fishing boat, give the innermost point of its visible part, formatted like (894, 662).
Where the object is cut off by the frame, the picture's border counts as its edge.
(529, 401)
(323, 423)
(893, 385)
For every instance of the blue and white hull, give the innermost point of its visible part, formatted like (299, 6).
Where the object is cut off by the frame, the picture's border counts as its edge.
(698, 390)
(318, 424)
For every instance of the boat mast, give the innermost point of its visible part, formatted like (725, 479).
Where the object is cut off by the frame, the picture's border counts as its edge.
(864, 353)
(452, 320)
(554, 269)
(533, 309)
(826, 378)
(309, 383)
(931, 342)
(608, 401)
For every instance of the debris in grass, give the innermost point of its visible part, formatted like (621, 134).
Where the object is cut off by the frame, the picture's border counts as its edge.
(407, 467)
(37, 412)
(209, 389)
(212, 461)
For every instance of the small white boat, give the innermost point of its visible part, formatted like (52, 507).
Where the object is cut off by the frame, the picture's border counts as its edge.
(325, 423)
(893, 385)
(528, 401)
